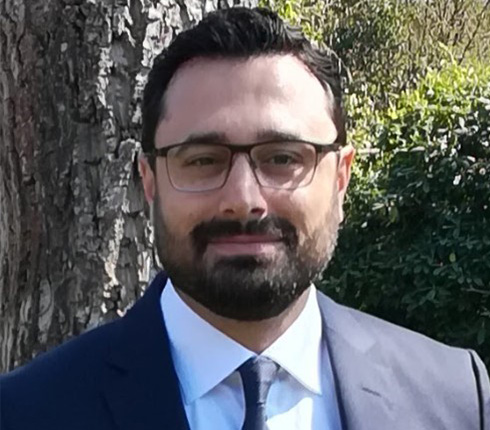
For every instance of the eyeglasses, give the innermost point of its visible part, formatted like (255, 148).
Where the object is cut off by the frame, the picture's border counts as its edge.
(200, 167)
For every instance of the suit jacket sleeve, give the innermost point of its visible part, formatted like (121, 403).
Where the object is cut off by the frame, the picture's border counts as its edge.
(483, 385)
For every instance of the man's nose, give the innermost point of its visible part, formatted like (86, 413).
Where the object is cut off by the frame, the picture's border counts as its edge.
(242, 196)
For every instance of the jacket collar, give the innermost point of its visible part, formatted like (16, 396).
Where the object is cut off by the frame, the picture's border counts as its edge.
(364, 382)
(141, 386)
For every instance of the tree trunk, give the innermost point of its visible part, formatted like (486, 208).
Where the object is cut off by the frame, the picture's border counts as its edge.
(75, 243)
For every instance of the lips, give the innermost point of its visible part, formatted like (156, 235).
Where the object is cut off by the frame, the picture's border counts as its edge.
(246, 238)
(244, 244)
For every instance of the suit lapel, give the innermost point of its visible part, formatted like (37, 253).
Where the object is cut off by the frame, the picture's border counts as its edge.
(365, 389)
(141, 386)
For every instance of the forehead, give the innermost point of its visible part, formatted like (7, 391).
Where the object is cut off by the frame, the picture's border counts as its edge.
(242, 98)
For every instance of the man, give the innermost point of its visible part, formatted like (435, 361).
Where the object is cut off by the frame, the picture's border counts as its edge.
(246, 170)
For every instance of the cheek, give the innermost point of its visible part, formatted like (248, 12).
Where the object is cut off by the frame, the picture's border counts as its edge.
(182, 211)
(307, 208)
(298, 208)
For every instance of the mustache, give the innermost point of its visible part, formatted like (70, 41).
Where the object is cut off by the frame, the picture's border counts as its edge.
(276, 226)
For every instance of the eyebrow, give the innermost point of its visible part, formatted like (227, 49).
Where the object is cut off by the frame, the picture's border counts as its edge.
(261, 136)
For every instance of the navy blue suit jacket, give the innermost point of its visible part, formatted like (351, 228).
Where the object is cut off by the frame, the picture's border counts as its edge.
(120, 376)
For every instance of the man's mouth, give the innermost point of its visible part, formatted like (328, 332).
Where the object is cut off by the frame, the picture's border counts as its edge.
(244, 244)
(246, 238)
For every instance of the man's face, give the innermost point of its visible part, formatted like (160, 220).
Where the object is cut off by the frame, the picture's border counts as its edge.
(244, 251)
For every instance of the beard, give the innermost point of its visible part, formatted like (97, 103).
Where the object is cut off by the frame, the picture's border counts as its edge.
(245, 288)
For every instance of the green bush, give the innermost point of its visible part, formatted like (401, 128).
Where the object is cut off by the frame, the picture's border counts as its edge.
(415, 248)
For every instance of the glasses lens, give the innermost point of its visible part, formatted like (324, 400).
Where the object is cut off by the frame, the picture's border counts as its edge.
(284, 165)
(198, 167)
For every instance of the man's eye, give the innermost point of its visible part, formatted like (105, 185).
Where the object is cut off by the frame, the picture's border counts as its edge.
(202, 161)
(282, 159)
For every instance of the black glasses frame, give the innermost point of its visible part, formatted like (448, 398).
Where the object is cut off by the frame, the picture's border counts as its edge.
(320, 148)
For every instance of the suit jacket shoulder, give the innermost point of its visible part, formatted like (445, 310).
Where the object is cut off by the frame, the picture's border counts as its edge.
(60, 384)
(118, 376)
(443, 386)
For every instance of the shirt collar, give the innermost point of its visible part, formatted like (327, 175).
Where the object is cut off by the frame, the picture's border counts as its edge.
(204, 356)
(298, 349)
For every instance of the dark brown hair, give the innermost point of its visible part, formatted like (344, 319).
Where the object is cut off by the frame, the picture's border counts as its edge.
(237, 33)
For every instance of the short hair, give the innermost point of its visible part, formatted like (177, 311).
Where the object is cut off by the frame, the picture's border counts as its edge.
(237, 33)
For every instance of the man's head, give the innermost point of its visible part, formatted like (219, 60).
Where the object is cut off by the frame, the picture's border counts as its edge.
(244, 230)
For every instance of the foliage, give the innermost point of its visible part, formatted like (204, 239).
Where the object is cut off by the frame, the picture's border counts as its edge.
(385, 46)
(415, 247)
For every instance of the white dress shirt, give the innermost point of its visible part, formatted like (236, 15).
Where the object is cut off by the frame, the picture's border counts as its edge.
(302, 397)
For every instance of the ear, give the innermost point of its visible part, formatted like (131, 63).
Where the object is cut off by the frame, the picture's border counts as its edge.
(148, 178)
(343, 175)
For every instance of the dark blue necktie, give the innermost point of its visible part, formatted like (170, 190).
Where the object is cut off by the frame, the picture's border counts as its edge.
(257, 376)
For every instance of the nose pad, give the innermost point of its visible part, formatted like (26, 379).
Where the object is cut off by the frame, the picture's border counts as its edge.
(249, 161)
(242, 196)
(252, 164)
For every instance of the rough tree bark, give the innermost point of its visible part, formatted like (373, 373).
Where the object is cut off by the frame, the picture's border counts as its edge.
(75, 244)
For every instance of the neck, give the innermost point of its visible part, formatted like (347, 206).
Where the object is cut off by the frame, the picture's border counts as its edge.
(256, 336)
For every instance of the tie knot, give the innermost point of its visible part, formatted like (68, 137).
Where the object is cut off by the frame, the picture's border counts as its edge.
(257, 375)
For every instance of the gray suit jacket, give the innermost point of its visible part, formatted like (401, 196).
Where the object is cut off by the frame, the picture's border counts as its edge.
(121, 377)
(389, 377)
